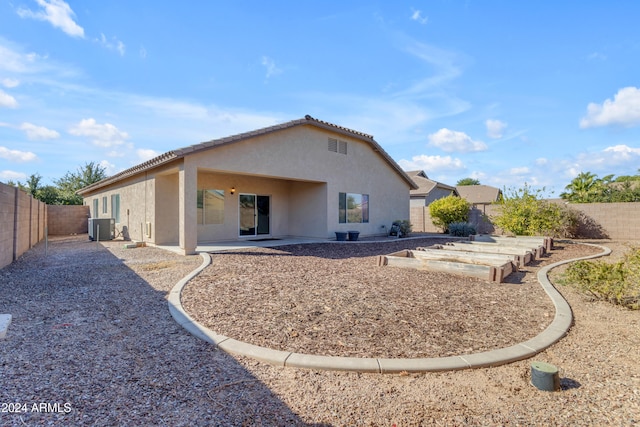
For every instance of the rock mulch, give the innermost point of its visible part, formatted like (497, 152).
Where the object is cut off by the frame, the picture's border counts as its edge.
(333, 300)
(91, 333)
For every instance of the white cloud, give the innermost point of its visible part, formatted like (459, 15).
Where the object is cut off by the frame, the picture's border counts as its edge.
(431, 163)
(8, 175)
(495, 128)
(111, 44)
(109, 168)
(38, 132)
(450, 141)
(7, 100)
(16, 155)
(542, 161)
(624, 110)
(146, 154)
(622, 153)
(418, 17)
(270, 65)
(103, 135)
(57, 13)
(143, 52)
(14, 60)
(519, 170)
(618, 159)
(10, 82)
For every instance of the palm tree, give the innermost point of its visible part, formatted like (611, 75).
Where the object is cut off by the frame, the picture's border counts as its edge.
(583, 188)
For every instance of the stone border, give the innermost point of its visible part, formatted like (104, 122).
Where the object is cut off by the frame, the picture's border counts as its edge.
(552, 334)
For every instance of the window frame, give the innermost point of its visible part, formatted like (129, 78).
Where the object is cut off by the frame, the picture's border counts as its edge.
(362, 200)
(204, 217)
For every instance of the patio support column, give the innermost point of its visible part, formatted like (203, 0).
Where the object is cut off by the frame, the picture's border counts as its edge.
(188, 182)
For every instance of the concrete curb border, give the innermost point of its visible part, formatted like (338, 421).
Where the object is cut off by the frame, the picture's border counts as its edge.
(552, 334)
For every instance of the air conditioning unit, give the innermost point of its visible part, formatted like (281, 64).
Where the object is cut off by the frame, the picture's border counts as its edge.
(102, 228)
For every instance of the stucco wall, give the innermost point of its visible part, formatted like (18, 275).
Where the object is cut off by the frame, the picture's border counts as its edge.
(136, 194)
(300, 155)
(294, 167)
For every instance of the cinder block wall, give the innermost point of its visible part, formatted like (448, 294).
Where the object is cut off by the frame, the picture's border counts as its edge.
(64, 220)
(615, 221)
(22, 223)
(7, 213)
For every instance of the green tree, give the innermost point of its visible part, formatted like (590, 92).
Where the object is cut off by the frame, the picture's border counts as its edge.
(71, 182)
(468, 181)
(33, 184)
(584, 188)
(49, 195)
(524, 213)
(448, 210)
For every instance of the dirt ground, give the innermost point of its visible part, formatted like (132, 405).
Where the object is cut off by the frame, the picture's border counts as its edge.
(91, 329)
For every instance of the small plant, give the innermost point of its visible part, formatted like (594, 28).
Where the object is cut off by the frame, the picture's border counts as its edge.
(618, 283)
(461, 229)
(405, 227)
(448, 210)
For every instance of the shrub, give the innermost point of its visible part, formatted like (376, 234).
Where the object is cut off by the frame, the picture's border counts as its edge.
(617, 283)
(448, 210)
(461, 229)
(405, 226)
(525, 214)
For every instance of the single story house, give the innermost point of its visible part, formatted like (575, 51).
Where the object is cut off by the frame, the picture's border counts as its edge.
(428, 190)
(302, 178)
(479, 194)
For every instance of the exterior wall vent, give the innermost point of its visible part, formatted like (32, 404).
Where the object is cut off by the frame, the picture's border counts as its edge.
(333, 145)
(336, 146)
(342, 147)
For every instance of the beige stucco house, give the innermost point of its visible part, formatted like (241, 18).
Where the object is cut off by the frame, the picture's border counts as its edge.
(428, 190)
(303, 178)
(479, 195)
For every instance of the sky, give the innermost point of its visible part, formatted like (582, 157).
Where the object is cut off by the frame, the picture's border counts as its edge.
(504, 92)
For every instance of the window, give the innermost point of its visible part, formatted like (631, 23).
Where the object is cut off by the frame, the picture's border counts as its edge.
(95, 208)
(210, 206)
(353, 208)
(104, 204)
(115, 207)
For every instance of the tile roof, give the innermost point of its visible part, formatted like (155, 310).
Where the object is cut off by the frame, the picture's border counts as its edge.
(425, 185)
(479, 194)
(307, 120)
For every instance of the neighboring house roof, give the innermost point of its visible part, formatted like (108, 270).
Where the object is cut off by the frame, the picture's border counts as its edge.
(307, 120)
(479, 194)
(426, 185)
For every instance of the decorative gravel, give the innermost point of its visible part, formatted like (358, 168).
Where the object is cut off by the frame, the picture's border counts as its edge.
(333, 300)
(92, 343)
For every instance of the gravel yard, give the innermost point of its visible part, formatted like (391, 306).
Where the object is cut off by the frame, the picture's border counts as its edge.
(333, 300)
(93, 340)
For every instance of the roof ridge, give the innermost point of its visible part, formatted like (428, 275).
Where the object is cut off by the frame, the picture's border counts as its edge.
(366, 135)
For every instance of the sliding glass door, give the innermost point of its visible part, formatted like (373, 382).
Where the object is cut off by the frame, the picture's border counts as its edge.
(254, 212)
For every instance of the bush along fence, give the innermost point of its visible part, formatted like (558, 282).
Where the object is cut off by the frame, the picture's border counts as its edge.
(23, 221)
(615, 221)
